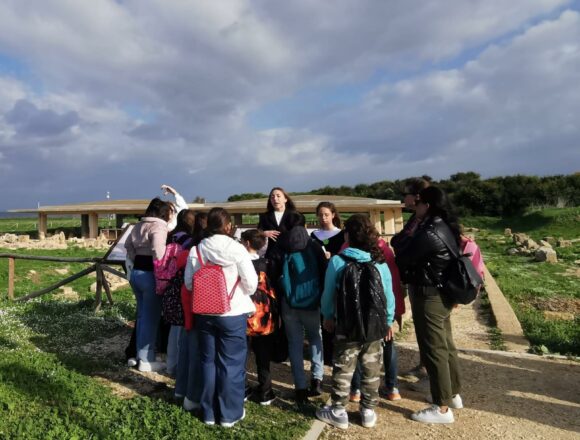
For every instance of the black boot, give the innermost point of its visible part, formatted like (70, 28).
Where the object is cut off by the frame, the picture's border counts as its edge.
(302, 396)
(315, 388)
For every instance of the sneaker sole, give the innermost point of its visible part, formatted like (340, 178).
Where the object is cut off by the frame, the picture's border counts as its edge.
(267, 402)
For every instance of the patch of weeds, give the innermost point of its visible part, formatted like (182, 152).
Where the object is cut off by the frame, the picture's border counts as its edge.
(496, 341)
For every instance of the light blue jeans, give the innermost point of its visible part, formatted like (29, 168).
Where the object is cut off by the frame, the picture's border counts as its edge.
(148, 313)
(188, 380)
(297, 322)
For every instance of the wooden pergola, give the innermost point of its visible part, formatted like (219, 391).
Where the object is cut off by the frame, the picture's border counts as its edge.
(385, 214)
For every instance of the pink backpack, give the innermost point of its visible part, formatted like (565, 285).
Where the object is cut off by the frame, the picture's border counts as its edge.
(469, 246)
(210, 293)
(166, 268)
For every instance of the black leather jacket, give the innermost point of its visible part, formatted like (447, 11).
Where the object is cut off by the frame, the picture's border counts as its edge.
(425, 256)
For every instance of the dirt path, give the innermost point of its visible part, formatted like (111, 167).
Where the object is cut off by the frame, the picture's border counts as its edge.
(505, 396)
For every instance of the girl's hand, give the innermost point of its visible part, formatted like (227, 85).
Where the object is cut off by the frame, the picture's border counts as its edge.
(167, 189)
(389, 334)
(273, 234)
(328, 325)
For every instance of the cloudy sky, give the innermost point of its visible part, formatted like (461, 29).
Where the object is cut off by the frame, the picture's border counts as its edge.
(231, 96)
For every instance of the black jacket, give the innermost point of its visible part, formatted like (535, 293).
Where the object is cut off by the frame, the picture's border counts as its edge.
(267, 222)
(424, 257)
(333, 244)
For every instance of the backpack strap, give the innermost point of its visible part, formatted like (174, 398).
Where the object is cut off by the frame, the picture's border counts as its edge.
(199, 256)
(452, 249)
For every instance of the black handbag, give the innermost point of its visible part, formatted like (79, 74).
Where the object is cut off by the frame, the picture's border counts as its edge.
(460, 281)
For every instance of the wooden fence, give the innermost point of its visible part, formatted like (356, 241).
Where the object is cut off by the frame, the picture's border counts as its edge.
(99, 265)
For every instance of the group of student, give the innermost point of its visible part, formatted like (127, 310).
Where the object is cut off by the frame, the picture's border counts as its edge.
(340, 287)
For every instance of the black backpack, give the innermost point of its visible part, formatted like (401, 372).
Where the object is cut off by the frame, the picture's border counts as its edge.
(361, 314)
(171, 307)
(460, 282)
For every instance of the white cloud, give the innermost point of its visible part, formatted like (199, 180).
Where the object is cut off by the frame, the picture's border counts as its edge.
(162, 90)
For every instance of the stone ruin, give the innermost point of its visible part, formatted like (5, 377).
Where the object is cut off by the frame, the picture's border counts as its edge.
(542, 251)
(55, 241)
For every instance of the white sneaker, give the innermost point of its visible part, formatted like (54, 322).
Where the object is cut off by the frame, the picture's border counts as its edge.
(433, 414)
(456, 401)
(368, 417)
(151, 366)
(334, 417)
(190, 405)
(131, 362)
(230, 424)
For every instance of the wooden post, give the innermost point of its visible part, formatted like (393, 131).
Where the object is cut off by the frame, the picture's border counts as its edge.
(42, 225)
(376, 220)
(98, 294)
(238, 219)
(93, 225)
(119, 220)
(398, 213)
(11, 278)
(389, 222)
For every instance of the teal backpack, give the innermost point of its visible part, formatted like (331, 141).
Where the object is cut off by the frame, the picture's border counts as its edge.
(300, 279)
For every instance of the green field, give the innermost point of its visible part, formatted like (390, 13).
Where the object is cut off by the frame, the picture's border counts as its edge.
(534, 288)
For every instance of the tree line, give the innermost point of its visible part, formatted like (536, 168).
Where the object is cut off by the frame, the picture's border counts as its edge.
(469, 193)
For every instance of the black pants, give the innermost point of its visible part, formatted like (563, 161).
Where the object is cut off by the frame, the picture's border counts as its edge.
(262, 347)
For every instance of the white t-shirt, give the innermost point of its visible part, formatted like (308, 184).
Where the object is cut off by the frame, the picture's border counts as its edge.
(278, 215)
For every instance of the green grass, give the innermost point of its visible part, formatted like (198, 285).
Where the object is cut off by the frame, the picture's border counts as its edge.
(533, 287)
(47, 384)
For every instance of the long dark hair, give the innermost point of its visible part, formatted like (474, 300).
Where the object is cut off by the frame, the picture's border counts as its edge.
(290, 206)
(199, 227)
(185, 222)
(159, 209)
(364, 236)
(329, 205)
(439, 206)
(217, 220)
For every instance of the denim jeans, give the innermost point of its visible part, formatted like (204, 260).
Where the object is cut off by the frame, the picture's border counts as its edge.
(297, 322)
(188, 380)
(173, 347)
(148, 313)
(223, 351)
(390, 360)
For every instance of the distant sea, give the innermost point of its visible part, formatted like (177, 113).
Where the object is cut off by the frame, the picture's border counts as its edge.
(4, 214)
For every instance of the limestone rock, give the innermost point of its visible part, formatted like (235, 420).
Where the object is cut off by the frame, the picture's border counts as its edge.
(530, 244)
(564, 243)
(544, 243)
(546, 254)
(23, 238)
(519, 238)
(513, 251)
(507, 232)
